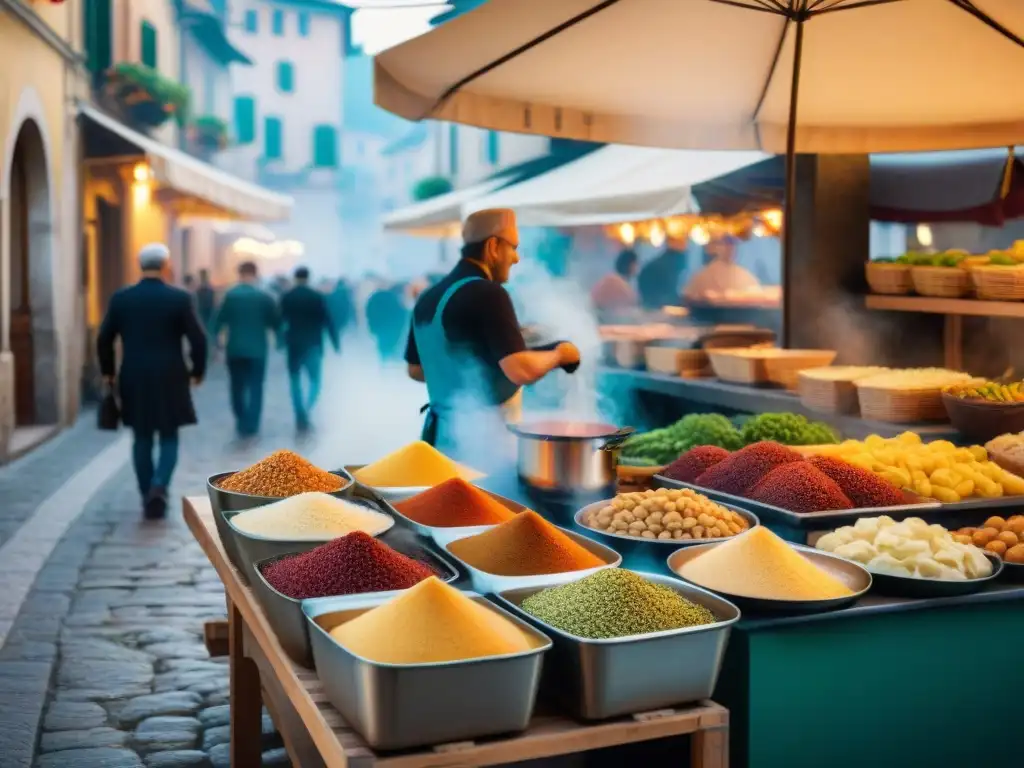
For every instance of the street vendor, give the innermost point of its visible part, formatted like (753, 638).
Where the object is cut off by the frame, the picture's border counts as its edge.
(722, 275)
(466, 344)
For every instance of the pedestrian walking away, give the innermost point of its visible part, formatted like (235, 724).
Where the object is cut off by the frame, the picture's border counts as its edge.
(387, 317)
(305, 319)
(248, 314)
(151, 318)
(206, 304)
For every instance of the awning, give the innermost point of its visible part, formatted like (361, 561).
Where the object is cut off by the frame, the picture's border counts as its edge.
(221, 192)
(439, 216)
(614, 184)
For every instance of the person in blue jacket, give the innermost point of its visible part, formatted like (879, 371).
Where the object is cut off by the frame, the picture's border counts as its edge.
(249, 315)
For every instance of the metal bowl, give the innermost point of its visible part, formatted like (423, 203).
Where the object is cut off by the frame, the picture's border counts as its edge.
(232, 501)
(852, 574)
(492, 583)
(911, 586)
(443, 535)
(285, 613)
(628, 545)
(397, 706)
(597, 679)
(253, 548)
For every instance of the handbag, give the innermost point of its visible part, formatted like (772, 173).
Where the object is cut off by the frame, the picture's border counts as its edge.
(108, 418)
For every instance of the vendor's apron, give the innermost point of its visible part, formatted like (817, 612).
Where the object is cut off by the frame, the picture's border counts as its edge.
(458, 422)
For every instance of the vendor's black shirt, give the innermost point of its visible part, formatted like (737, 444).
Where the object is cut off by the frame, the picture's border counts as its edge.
(480, 318)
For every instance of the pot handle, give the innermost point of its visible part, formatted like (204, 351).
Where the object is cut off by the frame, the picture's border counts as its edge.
(614, 442)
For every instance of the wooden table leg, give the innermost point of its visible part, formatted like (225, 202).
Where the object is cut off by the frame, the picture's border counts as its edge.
(246, 698)
(710, 748)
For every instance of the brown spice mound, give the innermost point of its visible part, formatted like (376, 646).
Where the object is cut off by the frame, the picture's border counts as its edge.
(863, 488)
(799, 487)
(695, 462)
(744, 469)
(282, 474)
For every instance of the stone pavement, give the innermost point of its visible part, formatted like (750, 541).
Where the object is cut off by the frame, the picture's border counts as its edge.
(104, 664)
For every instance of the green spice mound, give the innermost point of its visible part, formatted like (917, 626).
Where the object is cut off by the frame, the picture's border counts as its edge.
(615, 603)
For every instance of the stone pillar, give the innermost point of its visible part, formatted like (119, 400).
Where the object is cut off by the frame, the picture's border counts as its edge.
(824, 283)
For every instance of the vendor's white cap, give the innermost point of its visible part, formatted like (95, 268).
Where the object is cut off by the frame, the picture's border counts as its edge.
(493, 222)
(153, 256)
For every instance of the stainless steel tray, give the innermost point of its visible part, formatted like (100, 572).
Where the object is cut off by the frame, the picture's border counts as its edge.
(628, 545)
(932, 512)
(492, 583)
(442, 536)
(285, 613)
(231, 501)
(852, 574)
(397, 706)
(252, 548)
(597, 679)
(909, 586)
(1013, 572)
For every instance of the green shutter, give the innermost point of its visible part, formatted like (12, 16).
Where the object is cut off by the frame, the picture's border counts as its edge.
(278, 23)
(149, 47)
(492, 147)
(453, 150)
(325, 147)
(272, 131)
(245, 119)
(304, 24)
(285, 77)
(97, 35)
(252, 21)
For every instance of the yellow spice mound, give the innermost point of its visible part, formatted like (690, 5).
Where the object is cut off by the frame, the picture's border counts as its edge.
(431, 622)
(416, 465)
(761, 565)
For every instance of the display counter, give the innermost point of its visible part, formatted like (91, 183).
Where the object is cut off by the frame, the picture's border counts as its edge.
(888, 682)
(718, 395)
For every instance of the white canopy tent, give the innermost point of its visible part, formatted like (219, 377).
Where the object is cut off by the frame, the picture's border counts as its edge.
(439, 216)
(612, 185)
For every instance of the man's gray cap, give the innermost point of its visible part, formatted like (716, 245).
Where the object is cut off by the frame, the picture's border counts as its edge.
(153, 256)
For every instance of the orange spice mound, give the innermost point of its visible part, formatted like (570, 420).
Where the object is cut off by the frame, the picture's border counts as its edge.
(454, 503)
(526, 545)
(282, 474)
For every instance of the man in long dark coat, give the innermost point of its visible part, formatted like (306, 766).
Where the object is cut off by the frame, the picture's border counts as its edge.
(151, 318)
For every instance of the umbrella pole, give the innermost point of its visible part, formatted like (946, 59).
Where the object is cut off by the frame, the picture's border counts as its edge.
(787, 221)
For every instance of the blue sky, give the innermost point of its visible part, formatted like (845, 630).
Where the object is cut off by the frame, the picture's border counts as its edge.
(375, 26)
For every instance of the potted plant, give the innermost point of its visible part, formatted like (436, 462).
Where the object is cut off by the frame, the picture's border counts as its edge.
(146, 97)
(431, 186)
(209, 133)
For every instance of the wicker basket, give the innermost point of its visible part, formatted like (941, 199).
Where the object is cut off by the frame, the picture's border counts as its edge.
(828, 396)
(676, 362)
(999, 283)
(767, 366)
(901, 406)
(941, 282)
(890, 279)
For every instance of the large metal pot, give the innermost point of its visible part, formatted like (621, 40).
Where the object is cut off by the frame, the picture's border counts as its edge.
(569, 456)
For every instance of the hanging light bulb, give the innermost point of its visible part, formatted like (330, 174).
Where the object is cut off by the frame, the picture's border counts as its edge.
(924, 235)
(759, 230)
(627, 234)
(700, 235)
(656, 234)
(675, 228)
(773, 218)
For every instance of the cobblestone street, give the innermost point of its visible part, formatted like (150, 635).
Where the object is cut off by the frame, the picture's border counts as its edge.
(102, 662)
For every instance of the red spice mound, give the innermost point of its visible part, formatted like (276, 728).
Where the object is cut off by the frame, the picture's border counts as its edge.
(695, 462)
(348, 565)
(454, 503)
(745, 468)
(799, 487)
(863, 488)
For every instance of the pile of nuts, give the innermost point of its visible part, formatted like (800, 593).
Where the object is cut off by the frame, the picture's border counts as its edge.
(997, 536)
(666, 514)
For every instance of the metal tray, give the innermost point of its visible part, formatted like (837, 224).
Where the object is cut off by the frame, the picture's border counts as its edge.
(852, 574)
(1013, 572)
(769, 513)
(492, 583)
(397, 706)
(442, 536)
(597, 679)
(231, 501)
(909, 586)
(394, 493)
(252, 548)
(285, 613)
(628, 545)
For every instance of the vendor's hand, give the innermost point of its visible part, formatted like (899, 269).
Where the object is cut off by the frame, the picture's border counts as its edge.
(568, 356)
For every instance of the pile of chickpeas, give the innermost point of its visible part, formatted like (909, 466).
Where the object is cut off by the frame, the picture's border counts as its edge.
(666, 514)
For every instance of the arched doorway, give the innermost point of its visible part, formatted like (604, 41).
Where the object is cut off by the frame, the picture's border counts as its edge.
(33, 335)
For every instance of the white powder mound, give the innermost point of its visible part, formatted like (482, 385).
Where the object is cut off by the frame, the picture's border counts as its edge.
(310, 517)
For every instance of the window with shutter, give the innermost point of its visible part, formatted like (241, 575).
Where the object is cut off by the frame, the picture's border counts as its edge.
(453, 150)
(245, 119)
(304, 24)
(325, 146)
(148, 46)
(493, 148)
(278, 23)
(285, 77)
(272, 138)
(252, 21)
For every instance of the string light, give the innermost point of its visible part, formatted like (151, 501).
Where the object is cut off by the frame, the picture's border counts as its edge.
(656, 235)
(700, 235)
(627, 234)
(924, 235)
(773, 218)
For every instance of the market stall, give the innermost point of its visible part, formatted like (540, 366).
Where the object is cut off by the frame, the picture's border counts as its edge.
(483, 595)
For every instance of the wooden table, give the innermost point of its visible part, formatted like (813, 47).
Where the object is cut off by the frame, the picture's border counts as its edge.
(315, 734)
